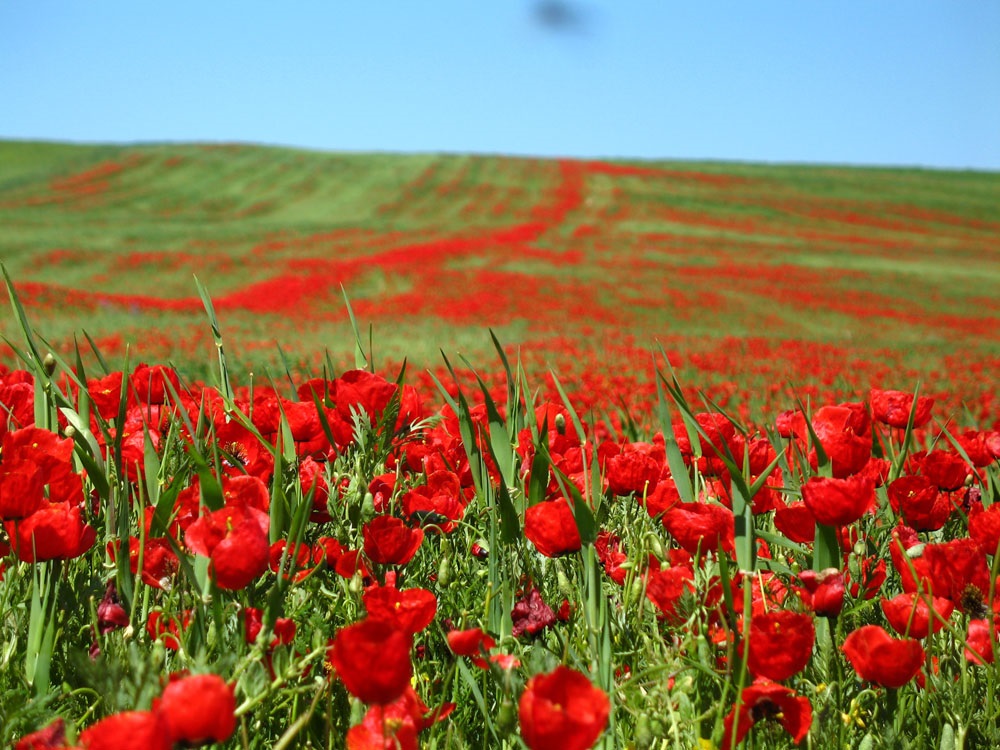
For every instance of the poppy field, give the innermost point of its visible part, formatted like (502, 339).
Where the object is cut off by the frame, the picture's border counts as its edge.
(475, 452)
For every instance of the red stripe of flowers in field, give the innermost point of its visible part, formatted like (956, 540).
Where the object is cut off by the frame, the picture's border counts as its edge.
(87, 189)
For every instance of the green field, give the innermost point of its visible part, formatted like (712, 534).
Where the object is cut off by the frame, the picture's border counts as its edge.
(752, 277)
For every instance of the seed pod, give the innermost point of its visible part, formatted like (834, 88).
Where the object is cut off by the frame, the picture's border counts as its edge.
(444, 572)
(368, 506)
(656, 547)
(636, 592)
(565, 587)
(947, 737)
(854, 567)
(159, 653)
(357, 585)
(560, 421)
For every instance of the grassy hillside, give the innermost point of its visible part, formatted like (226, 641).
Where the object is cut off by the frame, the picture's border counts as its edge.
(753, 277)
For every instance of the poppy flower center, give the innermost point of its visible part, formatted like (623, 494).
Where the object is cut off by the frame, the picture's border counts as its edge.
(765, 709)
(238, 452)
(972, 602)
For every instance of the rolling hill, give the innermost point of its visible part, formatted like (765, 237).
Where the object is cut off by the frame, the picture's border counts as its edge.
(754, 278)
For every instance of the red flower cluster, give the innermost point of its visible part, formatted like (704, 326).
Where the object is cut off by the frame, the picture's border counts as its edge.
(41, 497)
(192, 711)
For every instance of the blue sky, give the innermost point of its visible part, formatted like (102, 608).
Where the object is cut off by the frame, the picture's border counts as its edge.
(848, 82)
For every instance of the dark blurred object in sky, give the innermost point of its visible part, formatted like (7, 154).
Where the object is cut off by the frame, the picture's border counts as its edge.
(556, 15)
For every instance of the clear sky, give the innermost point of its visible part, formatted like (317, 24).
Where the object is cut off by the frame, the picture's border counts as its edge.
(904, 82)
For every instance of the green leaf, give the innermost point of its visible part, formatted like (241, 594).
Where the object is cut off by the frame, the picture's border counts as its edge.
(360, 359)
(211, 490)
(206, 300)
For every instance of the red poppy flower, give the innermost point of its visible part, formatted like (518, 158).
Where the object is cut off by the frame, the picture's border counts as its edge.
(52, 737)
(838, 502)
(956, 570)
(105, 394)
(363, 391)
(980, 647)
(768, 496)
(244, 451)
(159, 562)
(389, 541)
(551, 527)
(246, 490)
(562, 710)
(350, 564)
(879, 658)
(472, 643)
(984, 527)
(976, 447)
(919, 502)
(796, 522)
(946, 469)
(633, 471)
(665, 588)
(722, 439)
(111, 615)
(825, 591)
(767, 700)
(439, 502)
(298, 563)
(56, 531)
(893, 408)
(867, 579)
(149, 383)
(877, 469)
(131, 730)
(917, 615)
(327, 550)
(608, 549)
(167, 628)
(236, 539)
(780, 644)
(531, 614)
(198, 709)
(32, 459)
(844, 431)
(661, 499)
(384, 728)
(411, 610)
(382, 488)
(313, 480)
(395, 726)
(18, 398)
(372, 659)
(701, 527)
(253, 622)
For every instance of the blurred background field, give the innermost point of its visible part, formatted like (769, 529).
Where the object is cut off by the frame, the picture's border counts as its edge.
(754, 278)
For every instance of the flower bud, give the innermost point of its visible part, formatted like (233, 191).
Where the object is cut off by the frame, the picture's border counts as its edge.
(506, 717)
(643, 733)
